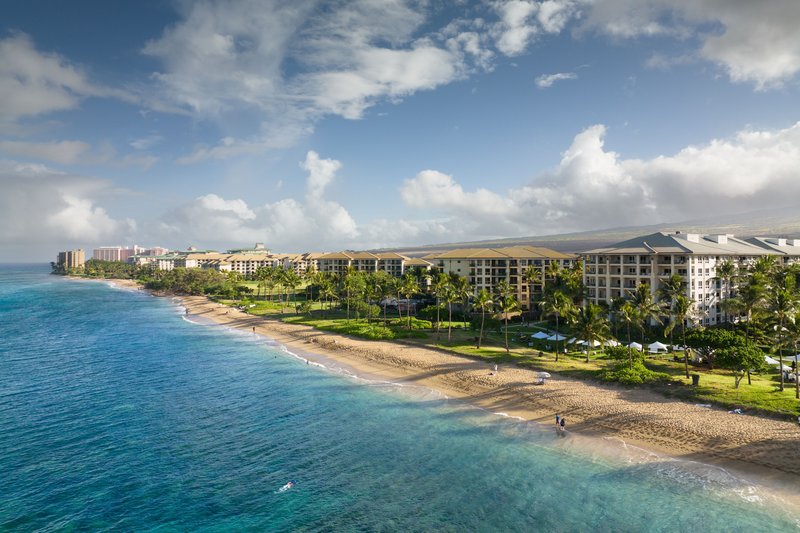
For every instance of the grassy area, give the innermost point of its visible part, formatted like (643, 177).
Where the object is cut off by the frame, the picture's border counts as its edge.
(716, 386)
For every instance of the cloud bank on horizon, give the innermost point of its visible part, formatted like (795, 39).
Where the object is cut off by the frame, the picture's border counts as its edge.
(225, 97)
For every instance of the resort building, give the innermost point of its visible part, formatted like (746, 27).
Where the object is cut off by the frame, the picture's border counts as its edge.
(71, 259)
(393, 263)
(484, 268)
(616, 271)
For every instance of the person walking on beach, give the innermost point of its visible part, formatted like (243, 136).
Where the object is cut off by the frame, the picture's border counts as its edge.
(562, 424)
(558, 418)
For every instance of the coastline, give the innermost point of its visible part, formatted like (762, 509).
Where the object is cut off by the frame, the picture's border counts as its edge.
(750, 446)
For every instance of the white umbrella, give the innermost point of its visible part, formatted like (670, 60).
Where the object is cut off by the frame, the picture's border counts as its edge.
(611, 342)
(771, 361)
(657, 347)
(635, 345)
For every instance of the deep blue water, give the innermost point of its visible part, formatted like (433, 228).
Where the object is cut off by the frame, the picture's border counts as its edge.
(118, 414)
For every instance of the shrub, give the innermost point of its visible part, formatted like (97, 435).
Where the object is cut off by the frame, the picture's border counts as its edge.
(638, 374)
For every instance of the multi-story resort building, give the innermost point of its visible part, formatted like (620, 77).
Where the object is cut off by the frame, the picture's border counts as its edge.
(484, 268)
(71, 259)
(393, 263)
(616, 271)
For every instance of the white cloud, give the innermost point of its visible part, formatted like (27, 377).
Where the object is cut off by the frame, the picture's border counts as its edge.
(145, 143)
(521, 21)
(343, 58)
(594, 188)
(41, 206)
(62, 152)
(312, 222)
(547, 80)
(754, 42)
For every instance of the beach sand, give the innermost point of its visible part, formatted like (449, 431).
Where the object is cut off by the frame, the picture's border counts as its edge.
(757, 446)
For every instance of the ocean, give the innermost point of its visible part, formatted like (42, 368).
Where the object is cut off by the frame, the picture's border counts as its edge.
(117, 413)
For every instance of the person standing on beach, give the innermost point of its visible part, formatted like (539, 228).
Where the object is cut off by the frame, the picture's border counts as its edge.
(562, 424)
(254, 329)
(557, 420)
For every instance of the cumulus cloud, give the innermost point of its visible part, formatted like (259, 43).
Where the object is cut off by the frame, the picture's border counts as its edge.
(289, 223)
(42, 206)
(344, 58)
(754, 42)
(547, 80)
(594, 188)
(521, 21)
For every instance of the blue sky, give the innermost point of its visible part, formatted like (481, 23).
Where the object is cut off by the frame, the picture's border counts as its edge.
(329, 125)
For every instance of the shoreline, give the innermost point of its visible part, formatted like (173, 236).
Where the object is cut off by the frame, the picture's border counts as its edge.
(748, 445)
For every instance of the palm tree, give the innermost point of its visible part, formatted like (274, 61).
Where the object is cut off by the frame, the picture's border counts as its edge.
(557, 304)
(464, 293)
(726, 272)
(614, 306)
(591, 324)
(648, 309)
(483, 302)
(507, 304)
(440, 287)
(669, 290)
(682, 310)
(408, 287)
(782, 304)
(532, 275)
(629, 314)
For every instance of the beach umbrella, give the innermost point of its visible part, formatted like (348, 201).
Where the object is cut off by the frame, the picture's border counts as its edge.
(657, 347)
(544, 374)
(635, 345)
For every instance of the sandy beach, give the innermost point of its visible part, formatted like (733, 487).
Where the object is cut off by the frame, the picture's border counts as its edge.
(762, 447)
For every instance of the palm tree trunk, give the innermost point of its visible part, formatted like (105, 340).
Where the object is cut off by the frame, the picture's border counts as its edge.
(506, 320)
(480, 335)
(589, 344)
(630, 353)
(449, 319)
(438, 320)
(556, 337)
(685, 354)
(780, 354)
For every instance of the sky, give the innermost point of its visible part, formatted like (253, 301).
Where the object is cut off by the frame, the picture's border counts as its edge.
(327, 125)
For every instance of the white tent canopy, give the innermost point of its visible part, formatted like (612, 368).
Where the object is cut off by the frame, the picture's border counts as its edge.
(771, 361)
(635, 345)
(556, 337)
(540, 335)
(611, 342)
(657, 347)
(595, 343)
(571, 340)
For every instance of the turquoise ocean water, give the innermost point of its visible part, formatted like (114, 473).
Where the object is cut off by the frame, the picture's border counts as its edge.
(117, 413)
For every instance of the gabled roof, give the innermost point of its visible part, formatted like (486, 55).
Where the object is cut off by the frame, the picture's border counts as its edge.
(777, 244)
(682, 243)
(510, 252)
(416, 261)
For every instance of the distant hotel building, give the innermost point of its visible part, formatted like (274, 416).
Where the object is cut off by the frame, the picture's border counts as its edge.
(71, 259)
(390, 262)
(617, 270)
(484, 268)
(124, 254)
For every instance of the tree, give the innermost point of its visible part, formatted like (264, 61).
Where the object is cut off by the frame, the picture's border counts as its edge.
(726, 272)
(782, 305)
(440, 287)
(463, 292)
(507, 304)
(647, 308)
(591, 324)
(669, 290)
(752, 296)
(483, 302)
(531, 276)
(408, 287)
(741, 360)
(556, 303)
(629, 315)
(682, 310)
(709, 341)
